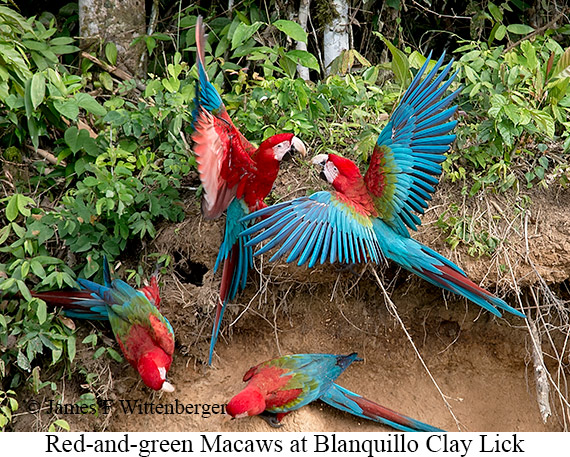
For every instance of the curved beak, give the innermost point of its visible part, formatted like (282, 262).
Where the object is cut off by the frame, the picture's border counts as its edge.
(167, 387)
(320, 159)
(298, 146)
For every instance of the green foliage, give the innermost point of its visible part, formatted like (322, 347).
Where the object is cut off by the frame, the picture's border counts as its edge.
(400, 65)
(464, 229)
(116, 176)
(58, 425)
(515, 102)
(500, 31)
(233, 40)
(34, 88)
(337, 114)
(8, 403)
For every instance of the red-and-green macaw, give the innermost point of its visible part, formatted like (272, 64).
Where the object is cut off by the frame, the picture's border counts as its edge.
(368, 217)
(145, 336)
(279, 386)
(236, 176)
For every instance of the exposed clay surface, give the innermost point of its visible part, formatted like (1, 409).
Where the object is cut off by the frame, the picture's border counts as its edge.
(482, 364)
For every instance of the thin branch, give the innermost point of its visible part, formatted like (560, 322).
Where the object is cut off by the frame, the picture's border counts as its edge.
(455, 16)
(538, 31)
(118, 72)
(47, 156)
(152, 23)
(395, 312)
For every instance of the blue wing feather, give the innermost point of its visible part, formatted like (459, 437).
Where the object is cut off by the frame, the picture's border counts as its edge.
(319, 223)
(314, 372)
(413, 144)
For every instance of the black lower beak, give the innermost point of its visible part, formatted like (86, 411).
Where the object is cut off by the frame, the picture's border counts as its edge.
(289, 154)
(322, 175)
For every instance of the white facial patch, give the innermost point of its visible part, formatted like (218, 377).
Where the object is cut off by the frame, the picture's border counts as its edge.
(331, 171)
(281, 149)
(162, 373)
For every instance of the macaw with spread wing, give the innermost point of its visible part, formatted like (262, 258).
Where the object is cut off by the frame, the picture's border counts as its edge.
(145, 336)
(368, 217)
(279, 386)
(236, 176)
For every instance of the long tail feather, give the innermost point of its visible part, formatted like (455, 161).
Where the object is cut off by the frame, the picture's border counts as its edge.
(439, 271)
(75, 303)
(106, 272)
(345, 400)
(227, 284)
(206, 94)
(152, 291)
(451, 278)
(237, 258)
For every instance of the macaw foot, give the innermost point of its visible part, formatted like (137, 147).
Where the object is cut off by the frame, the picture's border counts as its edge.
(272, 419)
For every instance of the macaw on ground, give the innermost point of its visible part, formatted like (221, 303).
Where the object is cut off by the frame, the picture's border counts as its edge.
(236, 176)
(145, 336)
(367, 217)
(281, 385)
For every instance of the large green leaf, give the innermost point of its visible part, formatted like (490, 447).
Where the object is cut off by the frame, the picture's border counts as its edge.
(12, 208)
(37, 89)
(520, 29)
(243, 33)
(562, 69)
(400, 64)
(304, 58)
(111, 53)
(69, 108)
(495, 12)
(291, 29)
(89, 104)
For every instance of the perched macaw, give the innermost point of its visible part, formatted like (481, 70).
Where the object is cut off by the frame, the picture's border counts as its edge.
(281, 385)
(235, 176)
(144, 335)
(368, 217)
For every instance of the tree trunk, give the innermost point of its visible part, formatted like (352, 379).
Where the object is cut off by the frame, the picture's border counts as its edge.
(336, 33)
(303, 18)
(119, 22)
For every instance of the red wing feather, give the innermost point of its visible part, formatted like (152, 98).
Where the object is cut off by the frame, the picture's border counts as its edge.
(281, 398)
(222, 152)
(162, 337)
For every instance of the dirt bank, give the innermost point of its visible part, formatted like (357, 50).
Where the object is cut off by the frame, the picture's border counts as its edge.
(481, 364)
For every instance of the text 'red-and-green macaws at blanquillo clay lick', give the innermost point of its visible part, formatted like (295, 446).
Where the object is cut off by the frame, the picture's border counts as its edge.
(235, 176)
(144, 335)
(281, 385)
(368, 217)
